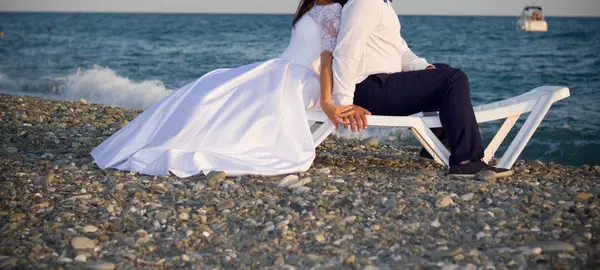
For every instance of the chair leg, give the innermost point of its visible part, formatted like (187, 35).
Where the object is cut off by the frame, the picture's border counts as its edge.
(432, 144)
(531, 124)
(499, 137)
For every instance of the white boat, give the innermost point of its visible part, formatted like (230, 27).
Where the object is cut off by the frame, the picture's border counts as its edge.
(532, 19)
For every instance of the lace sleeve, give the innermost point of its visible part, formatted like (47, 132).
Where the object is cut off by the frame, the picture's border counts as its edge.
(329, 22)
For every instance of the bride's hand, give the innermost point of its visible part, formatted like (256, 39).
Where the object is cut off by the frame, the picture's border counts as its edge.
(337, 113)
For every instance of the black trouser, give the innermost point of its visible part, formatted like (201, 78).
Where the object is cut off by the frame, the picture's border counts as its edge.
(445, 89)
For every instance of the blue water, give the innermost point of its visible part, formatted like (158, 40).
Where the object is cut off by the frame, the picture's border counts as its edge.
(133, 60)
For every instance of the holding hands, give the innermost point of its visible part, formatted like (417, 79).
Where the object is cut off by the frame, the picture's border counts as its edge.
(350, 116)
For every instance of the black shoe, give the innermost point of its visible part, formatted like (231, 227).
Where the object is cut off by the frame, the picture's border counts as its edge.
(472, 168)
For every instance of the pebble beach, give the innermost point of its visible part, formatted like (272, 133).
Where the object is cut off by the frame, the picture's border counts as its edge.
(362, 205)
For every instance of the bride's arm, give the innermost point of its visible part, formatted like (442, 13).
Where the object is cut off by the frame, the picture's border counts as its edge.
(330, 24)
(333, 112)
(326, 76)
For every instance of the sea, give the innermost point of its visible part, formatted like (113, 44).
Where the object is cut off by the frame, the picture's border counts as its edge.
(134, 60)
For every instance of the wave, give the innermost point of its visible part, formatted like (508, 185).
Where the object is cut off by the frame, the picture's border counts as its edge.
(96, 85)
(104, 86)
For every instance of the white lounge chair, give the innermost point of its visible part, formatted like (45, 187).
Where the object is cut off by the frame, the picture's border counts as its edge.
(537, 102)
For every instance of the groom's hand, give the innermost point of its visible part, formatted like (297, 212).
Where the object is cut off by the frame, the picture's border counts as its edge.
(358, 120)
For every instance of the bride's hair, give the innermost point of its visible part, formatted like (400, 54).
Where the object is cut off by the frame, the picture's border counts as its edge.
(306, 5)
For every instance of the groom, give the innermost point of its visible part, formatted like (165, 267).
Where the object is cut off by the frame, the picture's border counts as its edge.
(375, 70)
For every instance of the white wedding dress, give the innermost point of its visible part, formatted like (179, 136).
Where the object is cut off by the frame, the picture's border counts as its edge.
(245, 120)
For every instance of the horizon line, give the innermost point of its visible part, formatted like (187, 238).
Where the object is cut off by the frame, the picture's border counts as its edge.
(272, 13)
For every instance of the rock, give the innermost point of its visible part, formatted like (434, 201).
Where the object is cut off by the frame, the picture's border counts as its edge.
(83, 101)
(530, 251)
(159, 188)
(467, 197)
(319, 237)
(184, 216)
(470, 266)
(185, 258)
(390, 203)
(324, 171)
(350, 219)
(369, 142)
(485, 175)
(445, 253)
(64, 260)
(451, 267)
(287, 181)
(81, 242)
(481, 235)
(280, 260)
(227, 204)
(215, 176)
(100, 266)
(444, 201)
(436, 223)
(300, 183)
(583, 196)
(555, 246)
(490, 266)
(80, 258)
(300, 190)
(283, 224)
(338, 181)
(427, 172)
(50, 178)
(12, 150)
(90, 229)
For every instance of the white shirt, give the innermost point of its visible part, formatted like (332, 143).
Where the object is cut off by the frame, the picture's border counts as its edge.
(369, 43)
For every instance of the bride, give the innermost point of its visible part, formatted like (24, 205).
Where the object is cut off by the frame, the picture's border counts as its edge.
(246, 120)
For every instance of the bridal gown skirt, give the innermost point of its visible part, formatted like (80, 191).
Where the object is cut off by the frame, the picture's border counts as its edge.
(246, 120)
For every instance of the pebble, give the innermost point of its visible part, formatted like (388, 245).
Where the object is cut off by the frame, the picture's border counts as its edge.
(555, 246)
(227, 204)
(83, 101)
(159, 188)
(320, 237)
(324, 171)
(214, 176)
(300, 183)
(436, 223)
(185, 258)
(90, 229)
(427, 172)
(184, 216)
(64, 260)
(288, 180)
(445, 253)
(444, 201)
(485, 175)
(12, 150)
(100, 266)
(364, 206)
(81, 242)
(467, 197)
(300, 190)
(583, 196)
(80, 258)
(370, 142)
